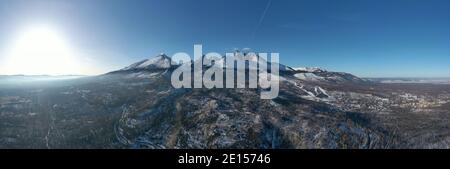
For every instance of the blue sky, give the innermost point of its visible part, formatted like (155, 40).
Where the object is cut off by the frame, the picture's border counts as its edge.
(370, 38)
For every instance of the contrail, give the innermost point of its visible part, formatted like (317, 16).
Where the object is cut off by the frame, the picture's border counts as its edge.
(261, 19)
(264, 13)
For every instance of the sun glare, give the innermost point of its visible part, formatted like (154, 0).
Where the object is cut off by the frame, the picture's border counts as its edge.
(40, 50)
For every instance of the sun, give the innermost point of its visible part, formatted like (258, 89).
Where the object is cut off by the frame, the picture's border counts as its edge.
(40, 50)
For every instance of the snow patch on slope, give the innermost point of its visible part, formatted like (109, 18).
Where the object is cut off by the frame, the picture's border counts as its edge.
(309, 69)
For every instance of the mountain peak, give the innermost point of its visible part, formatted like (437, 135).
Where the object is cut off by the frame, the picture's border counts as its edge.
(310, 69)
(161, 61)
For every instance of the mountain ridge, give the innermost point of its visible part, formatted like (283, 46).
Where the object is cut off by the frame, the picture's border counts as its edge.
(164, 62)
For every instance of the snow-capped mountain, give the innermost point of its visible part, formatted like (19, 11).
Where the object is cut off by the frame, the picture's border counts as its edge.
(307, 80)
(161, 61)
(316, 74)
(309, 69)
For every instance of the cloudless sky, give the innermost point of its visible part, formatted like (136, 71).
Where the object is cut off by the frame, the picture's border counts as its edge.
(370, 38)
